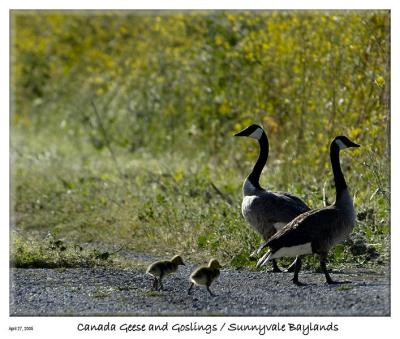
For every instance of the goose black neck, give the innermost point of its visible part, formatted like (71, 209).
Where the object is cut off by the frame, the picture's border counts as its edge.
(254, 176)
(340, 183)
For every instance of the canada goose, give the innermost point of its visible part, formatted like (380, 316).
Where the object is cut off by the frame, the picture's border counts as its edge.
(266, 211)
(205, 275)
(316, 231)
(161, 268)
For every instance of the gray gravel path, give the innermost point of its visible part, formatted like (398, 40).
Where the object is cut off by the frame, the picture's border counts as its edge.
(110, 291)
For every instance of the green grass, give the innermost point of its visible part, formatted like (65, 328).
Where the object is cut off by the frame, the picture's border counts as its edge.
(345, 287)
(152, 293)
(162, 205)
(30, 252)
(101, 292)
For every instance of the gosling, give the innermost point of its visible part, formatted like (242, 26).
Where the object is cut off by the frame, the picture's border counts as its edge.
(205, 275)
(161, 268)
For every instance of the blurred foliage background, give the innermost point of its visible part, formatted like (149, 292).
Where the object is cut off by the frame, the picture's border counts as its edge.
(122, 125)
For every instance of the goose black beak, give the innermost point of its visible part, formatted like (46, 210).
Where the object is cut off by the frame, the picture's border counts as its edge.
(240, 134)
(354, 144)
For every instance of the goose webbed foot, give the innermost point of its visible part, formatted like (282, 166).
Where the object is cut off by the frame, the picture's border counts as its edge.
(276, 270)
(298, 283)
(327, 276)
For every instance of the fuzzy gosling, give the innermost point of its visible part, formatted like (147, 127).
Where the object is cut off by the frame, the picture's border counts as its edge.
(205, 275)
(160, 269)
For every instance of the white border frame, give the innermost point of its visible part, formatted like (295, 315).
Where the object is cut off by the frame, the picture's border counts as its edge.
(360, 327)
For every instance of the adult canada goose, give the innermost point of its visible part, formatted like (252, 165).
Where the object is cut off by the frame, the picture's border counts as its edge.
(160, 269)
(266, 211)
(205, 275)
(318, 230)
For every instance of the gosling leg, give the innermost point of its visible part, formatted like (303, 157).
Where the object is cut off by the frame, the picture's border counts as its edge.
(161, 285)
(209, 291)
(155, 284)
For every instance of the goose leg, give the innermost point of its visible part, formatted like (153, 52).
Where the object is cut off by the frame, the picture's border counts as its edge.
(292, 266)
(296, 273)
(325, 271)
(275, 267)
(190, 288)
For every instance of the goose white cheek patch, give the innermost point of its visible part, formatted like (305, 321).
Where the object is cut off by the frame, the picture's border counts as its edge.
(256, 134)
(340, 144)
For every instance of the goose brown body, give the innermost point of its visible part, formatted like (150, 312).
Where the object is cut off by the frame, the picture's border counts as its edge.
(311, 227)
(266, 211)
(316, 231)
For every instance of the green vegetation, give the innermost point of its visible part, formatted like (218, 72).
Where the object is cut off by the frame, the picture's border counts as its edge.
(122, 125)
(30, 253)
(345, 287)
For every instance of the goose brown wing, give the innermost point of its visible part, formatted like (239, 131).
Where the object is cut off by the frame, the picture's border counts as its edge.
(278, 207)
(307, 227)
(295, 201)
